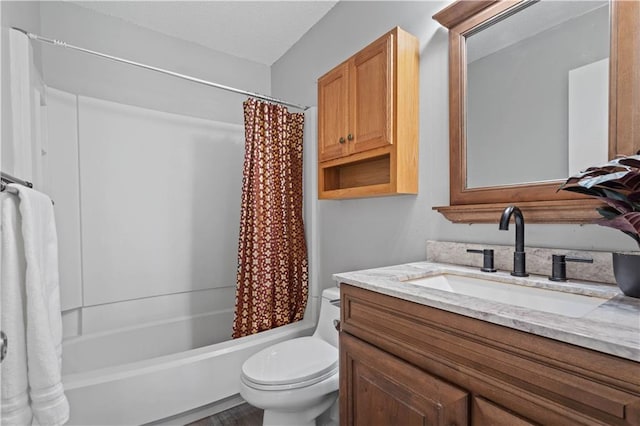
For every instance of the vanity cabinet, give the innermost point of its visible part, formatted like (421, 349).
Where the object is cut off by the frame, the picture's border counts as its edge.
(368, 121)
(406, 363)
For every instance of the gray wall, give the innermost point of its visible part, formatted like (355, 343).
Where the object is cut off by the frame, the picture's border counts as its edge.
(384, 231)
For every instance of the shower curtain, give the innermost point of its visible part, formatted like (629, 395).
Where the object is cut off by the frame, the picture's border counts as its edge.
(272, 278)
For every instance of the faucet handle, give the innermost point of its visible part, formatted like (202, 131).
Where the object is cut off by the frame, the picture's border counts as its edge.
(559, 265)
(487, 259)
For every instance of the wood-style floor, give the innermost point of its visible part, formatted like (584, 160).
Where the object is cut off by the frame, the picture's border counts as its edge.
(241, 415)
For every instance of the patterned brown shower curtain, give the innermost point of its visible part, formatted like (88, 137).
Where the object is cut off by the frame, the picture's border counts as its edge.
(272, 280)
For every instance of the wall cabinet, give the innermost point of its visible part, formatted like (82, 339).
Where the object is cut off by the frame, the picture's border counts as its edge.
(368, 121)
(406, 363)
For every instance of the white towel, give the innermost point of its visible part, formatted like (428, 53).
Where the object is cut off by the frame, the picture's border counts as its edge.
(15, 384)
(43, 318)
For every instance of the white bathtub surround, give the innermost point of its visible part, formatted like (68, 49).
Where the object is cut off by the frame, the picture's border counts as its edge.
(170, 251)
(22, 150)
(41, 297)
(538, 259)
(177, 232)
(611, 328)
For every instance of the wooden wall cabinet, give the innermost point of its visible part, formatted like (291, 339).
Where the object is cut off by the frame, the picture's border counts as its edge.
(368, 121)
(406, 363)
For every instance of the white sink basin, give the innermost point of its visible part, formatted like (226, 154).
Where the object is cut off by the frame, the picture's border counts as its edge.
(557, 302)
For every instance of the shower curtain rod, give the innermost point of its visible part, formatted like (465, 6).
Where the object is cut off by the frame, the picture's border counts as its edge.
(59, 43)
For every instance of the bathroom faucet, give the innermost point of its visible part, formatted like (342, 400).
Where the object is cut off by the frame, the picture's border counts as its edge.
(519, 260)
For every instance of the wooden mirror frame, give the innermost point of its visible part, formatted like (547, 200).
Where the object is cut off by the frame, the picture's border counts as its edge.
(540, 202)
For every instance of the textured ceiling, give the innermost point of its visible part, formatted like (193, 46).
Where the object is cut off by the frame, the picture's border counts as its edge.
(261, 31)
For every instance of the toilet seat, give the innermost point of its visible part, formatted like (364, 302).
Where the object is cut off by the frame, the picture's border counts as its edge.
(291, 364)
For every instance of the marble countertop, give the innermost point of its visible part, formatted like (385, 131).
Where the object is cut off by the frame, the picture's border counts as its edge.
(613, 327)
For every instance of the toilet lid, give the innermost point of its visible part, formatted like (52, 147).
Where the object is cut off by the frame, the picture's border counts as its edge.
(293, 361)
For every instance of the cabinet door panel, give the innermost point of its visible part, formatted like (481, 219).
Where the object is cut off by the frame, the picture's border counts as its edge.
(378, 401)
(333, 92)
(380, 389)
(372, 96)
(486, 413)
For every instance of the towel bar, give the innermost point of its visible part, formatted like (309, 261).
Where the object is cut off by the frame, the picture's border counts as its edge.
(6, 178)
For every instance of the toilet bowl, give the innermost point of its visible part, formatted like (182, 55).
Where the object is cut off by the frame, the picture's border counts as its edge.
(296, 381)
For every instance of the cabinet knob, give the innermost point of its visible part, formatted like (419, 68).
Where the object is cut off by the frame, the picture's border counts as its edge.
(341, 140)
(350, 137)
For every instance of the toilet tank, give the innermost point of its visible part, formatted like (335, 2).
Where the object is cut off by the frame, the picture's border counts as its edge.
(329, 311)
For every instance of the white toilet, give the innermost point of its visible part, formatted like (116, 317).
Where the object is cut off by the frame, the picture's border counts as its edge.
(296, 381)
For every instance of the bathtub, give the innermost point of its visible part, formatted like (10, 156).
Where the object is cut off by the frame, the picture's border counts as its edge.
(142, 374)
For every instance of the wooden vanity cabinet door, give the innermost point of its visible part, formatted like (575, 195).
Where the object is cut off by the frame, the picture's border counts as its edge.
(333, 114)
(372, 96)
(485, 413)
(379, 390)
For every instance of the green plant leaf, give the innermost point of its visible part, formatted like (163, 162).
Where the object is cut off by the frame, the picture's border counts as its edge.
(598, 180)
(594, 192)
(613, 194)
(608, 212)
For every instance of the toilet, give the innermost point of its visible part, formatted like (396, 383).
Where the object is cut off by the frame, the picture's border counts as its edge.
(296, 381)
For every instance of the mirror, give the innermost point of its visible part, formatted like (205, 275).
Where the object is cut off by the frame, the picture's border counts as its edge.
(533, 78)
(536, 95)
